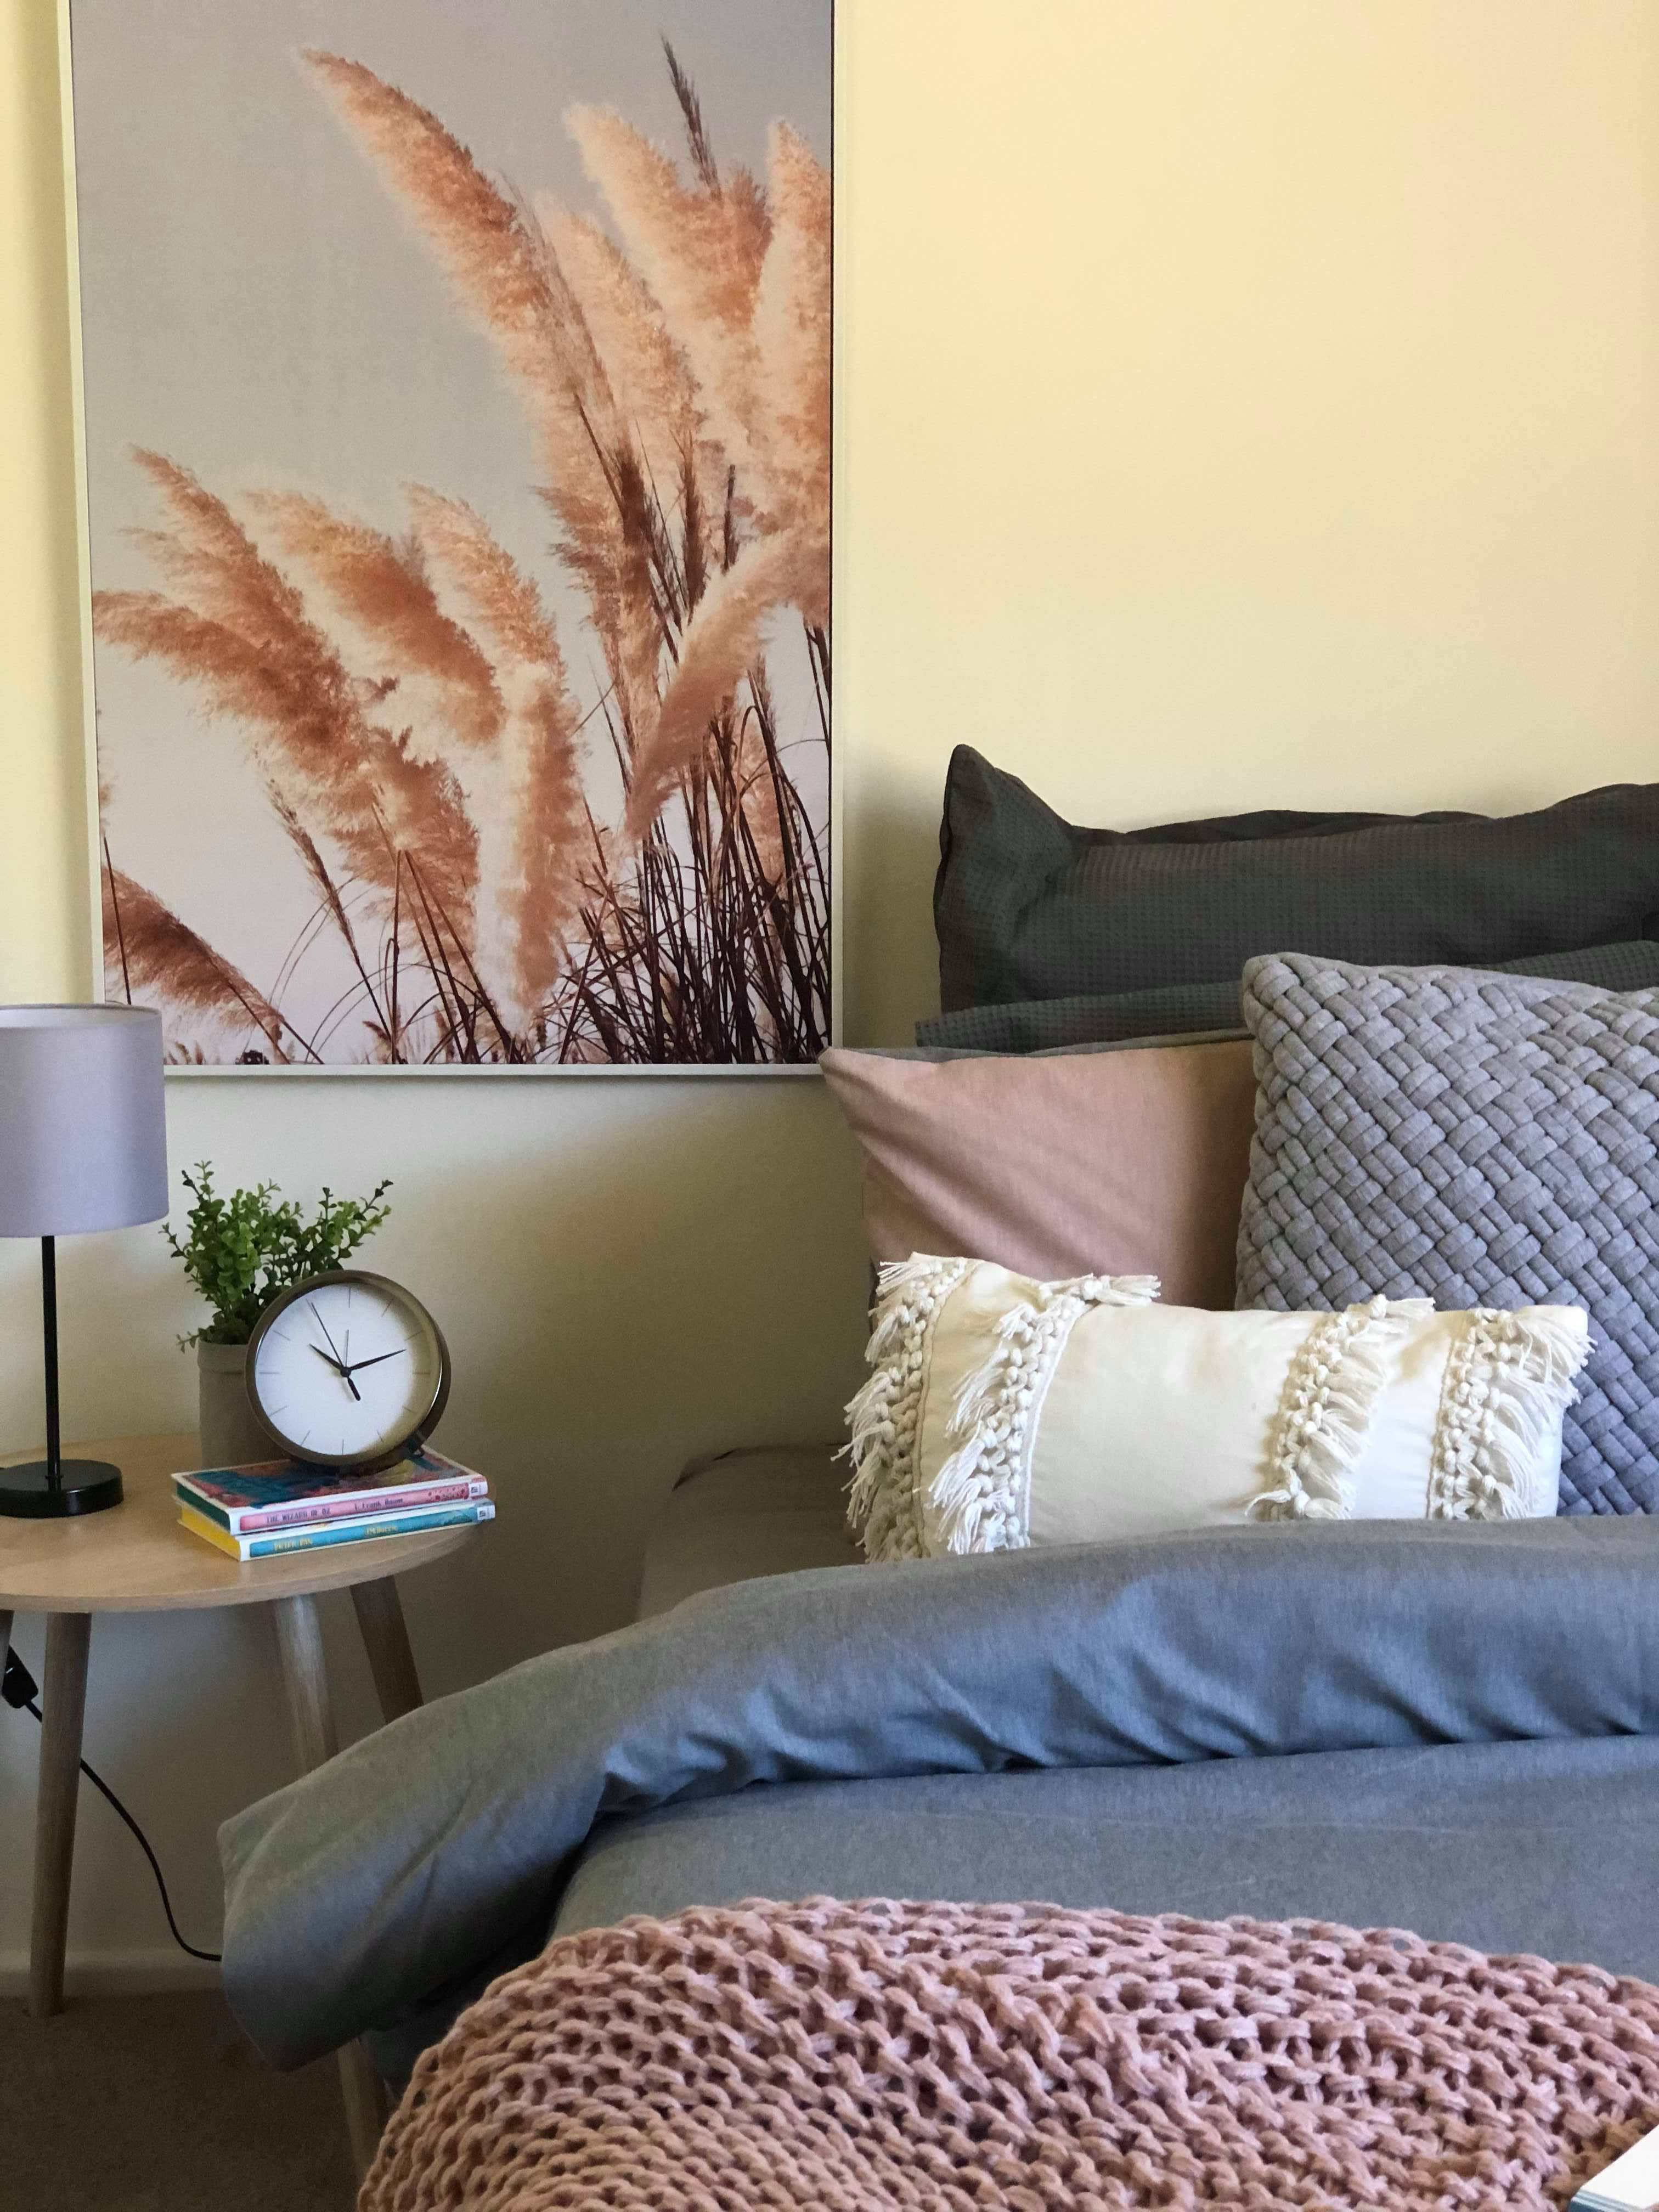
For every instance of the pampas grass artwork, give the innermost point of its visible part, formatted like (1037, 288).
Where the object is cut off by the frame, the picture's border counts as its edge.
(549, 811)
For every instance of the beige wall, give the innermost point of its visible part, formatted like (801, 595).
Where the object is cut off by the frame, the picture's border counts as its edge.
(1239, 404)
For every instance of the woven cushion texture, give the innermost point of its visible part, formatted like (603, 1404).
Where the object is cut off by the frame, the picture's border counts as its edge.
(1186, 1009)
(1030, 906)
(1477, 1139)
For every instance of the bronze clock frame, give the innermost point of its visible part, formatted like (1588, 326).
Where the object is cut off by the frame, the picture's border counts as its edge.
(343, 1462)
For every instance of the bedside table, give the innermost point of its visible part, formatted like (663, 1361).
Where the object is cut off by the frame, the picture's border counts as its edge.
(134, 1558)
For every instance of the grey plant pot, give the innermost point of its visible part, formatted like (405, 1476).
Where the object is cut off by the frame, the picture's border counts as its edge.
(230, 1434)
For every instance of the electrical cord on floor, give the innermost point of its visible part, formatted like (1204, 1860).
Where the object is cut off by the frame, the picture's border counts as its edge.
(21, 1690)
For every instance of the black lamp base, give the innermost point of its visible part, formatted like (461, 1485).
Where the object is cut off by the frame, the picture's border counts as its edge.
(87, 1486)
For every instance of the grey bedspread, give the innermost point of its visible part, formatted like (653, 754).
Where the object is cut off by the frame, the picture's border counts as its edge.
(409, 1860)
(1552, 1848)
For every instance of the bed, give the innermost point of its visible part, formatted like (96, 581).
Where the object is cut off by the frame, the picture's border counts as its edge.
(1189, 1724)
(1450, 1728)
(771, 1510)
(1462, 1842)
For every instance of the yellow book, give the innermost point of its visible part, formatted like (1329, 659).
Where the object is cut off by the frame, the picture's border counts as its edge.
(199, 1525)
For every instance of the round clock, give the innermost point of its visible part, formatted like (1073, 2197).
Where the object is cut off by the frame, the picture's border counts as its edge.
(348, 1371)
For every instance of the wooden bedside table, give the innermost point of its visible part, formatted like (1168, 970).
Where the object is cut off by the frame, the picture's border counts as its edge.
(134, 1558)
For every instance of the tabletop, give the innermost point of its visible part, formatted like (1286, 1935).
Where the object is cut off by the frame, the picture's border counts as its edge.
(134, 1558)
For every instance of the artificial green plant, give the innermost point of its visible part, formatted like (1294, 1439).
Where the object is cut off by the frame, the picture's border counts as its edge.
(242, 1250)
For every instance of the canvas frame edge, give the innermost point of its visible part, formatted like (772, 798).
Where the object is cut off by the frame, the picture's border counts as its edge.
(333, 1071)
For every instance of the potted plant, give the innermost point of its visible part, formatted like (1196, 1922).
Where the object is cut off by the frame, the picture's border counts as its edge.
(240, 1252)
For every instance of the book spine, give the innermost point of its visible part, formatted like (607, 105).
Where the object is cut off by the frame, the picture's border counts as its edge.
(364, 1532)
(210, 1532)
(254, 1520)
(204, 1508)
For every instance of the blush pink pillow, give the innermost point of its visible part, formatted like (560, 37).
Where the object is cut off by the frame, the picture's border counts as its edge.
(1128, 1161)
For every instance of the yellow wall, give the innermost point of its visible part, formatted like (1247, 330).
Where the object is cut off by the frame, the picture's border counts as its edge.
(43, 859)
(1244, 401)
(1241, 402)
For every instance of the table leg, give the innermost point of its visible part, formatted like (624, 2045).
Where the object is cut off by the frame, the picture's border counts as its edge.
(305, 1677)
(365, 2105)
(310, 1712)
(385, 1639)
(5, 1638)
(64, 1706)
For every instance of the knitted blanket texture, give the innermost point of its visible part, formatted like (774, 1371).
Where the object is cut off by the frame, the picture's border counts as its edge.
(954, 2056)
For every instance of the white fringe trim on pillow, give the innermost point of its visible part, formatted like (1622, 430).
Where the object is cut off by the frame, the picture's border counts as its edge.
(1509, 1379)
(981, 1498)
(1325, 1409)
(982, 1486)
(881, 1504)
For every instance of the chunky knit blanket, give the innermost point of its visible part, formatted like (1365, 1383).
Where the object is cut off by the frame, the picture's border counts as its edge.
(823, 2055)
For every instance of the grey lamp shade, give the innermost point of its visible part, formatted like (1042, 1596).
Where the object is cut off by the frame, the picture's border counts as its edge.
(83, 1128)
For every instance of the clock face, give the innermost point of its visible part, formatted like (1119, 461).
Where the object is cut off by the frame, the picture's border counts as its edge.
(346, 1370)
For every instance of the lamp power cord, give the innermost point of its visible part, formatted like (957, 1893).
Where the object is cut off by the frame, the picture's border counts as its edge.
(20, 1690)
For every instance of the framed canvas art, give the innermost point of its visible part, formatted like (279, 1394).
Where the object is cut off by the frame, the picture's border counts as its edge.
(457, 428)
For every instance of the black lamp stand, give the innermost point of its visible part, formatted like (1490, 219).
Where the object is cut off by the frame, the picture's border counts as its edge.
(52, 1488)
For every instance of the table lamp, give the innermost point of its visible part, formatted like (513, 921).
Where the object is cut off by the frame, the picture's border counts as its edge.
(83, 1145)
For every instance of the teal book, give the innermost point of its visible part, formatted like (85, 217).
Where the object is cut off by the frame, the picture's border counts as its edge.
(364, 1531)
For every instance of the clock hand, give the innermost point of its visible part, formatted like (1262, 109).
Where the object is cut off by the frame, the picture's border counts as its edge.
(358, 1363)
(330, 1361)
(339, 1372)
(323, 1325)
(344, 1376)
(337, 1363)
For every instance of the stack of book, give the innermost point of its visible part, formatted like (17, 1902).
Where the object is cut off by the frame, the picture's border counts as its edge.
(282, 1505)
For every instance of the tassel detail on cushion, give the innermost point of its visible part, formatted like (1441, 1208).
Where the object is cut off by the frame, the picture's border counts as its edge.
(979, 1498)
(881, 1502)
(1325, 1409)
(1509, 1379)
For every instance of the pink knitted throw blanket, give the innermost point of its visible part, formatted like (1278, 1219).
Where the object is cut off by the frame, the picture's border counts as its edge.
(823, 2055)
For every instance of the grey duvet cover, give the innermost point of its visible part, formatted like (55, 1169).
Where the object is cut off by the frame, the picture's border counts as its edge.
(1451, 1725)
(1463, 1842)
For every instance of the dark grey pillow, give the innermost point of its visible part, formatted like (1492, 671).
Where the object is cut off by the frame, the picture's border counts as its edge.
(1051, 1024)
(1030, 906)
(1477, 1139)
(1041, 1024)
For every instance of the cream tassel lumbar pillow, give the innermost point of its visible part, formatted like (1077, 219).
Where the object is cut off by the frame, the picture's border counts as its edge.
(1002, 1413)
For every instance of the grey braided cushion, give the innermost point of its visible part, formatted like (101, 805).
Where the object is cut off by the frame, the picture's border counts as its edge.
(1477, 1139)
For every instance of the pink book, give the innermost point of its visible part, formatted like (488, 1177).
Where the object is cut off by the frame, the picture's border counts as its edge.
(282, 1493)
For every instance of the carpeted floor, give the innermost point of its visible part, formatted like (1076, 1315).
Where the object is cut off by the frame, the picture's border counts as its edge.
(158, 2105)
